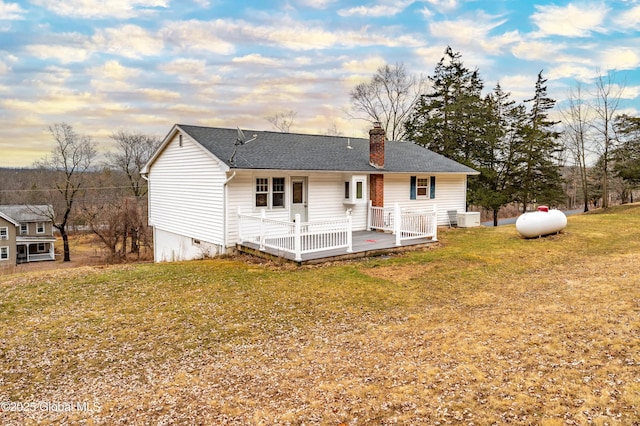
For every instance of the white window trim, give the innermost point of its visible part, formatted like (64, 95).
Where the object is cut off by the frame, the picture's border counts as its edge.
(428, 187)
(353, 183)
(24, 231)
(4, 233)
(6, 250)
(270, 193)
(44, 228)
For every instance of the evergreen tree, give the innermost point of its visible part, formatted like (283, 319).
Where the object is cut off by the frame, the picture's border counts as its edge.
(626, 156)
(504, 125)
(538, 178)
(449, 119)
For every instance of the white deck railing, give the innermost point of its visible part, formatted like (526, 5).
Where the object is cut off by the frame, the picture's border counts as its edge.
(295, 237)
(381, 218)
(417, 224)
(405, 224)
(25, 258)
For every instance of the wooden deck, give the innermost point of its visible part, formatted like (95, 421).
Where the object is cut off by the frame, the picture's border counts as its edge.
(365, 244)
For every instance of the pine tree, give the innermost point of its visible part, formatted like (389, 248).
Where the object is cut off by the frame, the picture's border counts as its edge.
(538, 161)
(503, 135)
(449, 119)
(626, 156)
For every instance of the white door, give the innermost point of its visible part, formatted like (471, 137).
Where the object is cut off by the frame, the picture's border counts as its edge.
(299, 197)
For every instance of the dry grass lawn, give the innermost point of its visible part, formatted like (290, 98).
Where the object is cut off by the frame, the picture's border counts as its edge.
(488, 328)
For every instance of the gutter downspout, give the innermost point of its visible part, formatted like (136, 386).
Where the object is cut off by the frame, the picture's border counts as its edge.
(145, 176)
(224, 212)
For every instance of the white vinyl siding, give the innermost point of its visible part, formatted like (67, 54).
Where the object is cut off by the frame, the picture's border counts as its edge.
(450, 193)
(186, 192)
(326, 200)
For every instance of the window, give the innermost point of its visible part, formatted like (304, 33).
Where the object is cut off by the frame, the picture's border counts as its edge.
(422, 187)
(4, 233)
(277, 194)
(355, 189)
(24, 228)
(41, 248)
(270, 192)
(262, 192)
(40, 228)
(298, 193)
(4, 253)
(180, 140)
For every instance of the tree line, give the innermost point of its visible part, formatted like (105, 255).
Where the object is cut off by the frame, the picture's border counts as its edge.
(105, 197)
(524, 155)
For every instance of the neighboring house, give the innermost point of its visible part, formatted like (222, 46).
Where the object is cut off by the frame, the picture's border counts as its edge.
(26, 234)
(203, 179)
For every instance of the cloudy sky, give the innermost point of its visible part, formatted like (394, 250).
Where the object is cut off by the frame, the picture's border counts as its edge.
(143, 65)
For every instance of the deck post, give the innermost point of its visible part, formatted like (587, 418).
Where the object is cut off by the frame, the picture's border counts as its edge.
(263, 216)
(435, 223)
(297, 241)
(349, 233)
(369, 219)
(397, 223)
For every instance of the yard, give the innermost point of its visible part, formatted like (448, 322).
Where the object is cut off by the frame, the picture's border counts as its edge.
(484, 328)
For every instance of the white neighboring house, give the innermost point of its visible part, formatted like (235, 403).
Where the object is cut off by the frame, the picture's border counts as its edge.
(201, 179)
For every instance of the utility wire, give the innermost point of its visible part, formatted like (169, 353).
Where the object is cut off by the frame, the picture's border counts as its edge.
(56, 189)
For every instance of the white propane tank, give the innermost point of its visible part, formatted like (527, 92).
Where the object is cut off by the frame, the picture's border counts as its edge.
(541, 222)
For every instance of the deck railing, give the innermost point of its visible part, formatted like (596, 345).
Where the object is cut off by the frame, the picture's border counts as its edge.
(405, 224)
(381, 218)
(25, 258)
(295, 237)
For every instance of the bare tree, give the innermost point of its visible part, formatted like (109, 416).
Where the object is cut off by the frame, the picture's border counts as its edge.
(72, 157)
(577, 120)
(388, 98)
(283, 120)
(607, 99)
(333, 130)
(112, 222)
(132, 153)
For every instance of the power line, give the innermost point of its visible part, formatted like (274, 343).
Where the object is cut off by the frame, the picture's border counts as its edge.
(56, 189)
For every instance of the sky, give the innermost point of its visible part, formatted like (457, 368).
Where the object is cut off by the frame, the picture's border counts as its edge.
(143, 65)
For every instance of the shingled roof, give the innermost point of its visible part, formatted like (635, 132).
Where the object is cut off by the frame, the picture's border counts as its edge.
(26, 213)
(291, 151)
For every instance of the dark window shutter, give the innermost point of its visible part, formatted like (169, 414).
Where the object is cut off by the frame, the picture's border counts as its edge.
(432, 187)
(412, 192)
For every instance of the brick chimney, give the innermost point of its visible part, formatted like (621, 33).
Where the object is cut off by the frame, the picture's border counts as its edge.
(376, 146)
(376, 159)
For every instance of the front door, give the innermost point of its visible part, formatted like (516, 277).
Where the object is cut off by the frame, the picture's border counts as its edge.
(21, 253)
(299, 197)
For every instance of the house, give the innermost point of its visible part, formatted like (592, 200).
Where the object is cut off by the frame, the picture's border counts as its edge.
(26, 234)
(211, 189)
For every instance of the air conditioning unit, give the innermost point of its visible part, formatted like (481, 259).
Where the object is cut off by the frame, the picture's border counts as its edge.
(468, 219)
